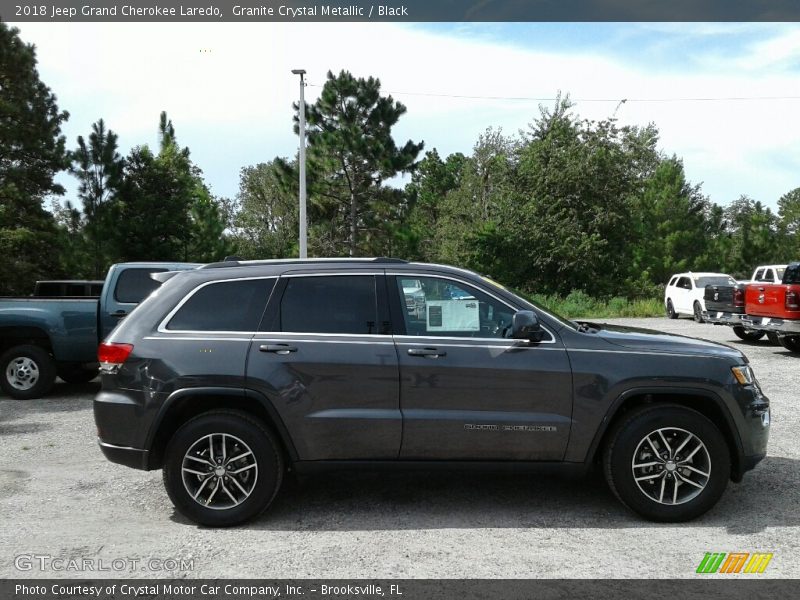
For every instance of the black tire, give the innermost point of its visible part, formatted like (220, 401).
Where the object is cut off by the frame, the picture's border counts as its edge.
(74, 374)
(748, 335)
(253, 436)
(698, 312)
(671, 310)
(35, 366)
(790, 342)
(627, 440)
(774, 339)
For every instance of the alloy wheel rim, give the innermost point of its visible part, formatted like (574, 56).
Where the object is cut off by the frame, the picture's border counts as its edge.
(671, 466)
(219, 471)
(22, 373)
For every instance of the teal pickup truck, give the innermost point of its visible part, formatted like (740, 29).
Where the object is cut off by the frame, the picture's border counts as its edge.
(42, 337)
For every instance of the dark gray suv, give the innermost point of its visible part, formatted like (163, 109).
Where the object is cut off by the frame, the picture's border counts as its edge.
(229, 374)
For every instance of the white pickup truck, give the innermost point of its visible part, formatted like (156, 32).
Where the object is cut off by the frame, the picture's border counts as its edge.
(767, 274)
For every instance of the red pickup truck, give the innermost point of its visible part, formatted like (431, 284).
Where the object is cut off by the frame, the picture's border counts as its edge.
(776, 307)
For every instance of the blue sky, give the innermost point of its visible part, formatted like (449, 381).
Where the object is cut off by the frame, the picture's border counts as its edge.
(232, 103)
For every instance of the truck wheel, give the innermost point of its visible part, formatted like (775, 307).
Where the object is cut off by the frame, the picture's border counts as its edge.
(790, 342)
(28, 372)
(698, 312)
(73, 374)
(748, 335)
(667, 462)
(671, 310)
(222, 468)
(773, 338)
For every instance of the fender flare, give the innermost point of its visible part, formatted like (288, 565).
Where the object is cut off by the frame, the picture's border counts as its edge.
(240, 393)
(615, 406)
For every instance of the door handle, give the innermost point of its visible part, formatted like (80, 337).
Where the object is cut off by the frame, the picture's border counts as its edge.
(426, 352)
(119, 314)
(277, 348)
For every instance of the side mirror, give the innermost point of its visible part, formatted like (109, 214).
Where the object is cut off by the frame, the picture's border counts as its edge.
(525, 326)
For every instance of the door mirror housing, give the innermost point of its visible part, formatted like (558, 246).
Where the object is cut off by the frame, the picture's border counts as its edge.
(525, 326)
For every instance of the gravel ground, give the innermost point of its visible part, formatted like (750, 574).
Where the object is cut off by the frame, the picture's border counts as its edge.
(59, 497)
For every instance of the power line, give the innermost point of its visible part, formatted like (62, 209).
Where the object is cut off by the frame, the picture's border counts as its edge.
(623, 100)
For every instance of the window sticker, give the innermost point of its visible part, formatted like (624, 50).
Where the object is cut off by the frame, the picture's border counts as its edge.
(453, 315)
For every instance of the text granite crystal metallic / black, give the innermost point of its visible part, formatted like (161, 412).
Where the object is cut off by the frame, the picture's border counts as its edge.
(231, 374)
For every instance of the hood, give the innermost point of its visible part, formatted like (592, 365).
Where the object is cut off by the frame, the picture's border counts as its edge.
(634, 338)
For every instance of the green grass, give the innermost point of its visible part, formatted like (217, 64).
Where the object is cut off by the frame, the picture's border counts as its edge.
(579, 305)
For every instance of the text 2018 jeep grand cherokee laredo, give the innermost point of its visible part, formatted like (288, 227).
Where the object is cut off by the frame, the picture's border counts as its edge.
(230, 373)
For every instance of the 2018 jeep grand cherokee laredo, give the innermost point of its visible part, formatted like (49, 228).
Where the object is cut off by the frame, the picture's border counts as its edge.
(230, 373)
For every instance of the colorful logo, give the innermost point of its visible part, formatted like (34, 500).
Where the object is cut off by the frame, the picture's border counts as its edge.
(735, 562)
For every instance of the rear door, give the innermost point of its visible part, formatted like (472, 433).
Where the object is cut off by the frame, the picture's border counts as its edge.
(468, 392)
(324, 356)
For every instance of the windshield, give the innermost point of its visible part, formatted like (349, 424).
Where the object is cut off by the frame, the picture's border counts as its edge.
(780, 272)
(718, 280)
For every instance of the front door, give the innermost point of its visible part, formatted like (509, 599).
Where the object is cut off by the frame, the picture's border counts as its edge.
(467, 391)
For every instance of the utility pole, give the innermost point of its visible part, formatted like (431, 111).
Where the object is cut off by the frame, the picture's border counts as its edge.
(303, 220)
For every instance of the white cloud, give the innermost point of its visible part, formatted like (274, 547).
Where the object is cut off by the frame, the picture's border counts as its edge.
(232, 103)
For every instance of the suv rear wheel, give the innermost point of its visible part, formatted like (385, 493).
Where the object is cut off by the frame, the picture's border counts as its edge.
(667, 462)
(698, 312)
(222, 468)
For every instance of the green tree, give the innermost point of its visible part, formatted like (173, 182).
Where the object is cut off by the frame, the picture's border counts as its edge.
(163, 210)
(673, 229)
(789, 217)
(351, 154)
(99, 169)
(754, 235)
(266, 217)
(431, 182)
(579, 181)
(31, 153)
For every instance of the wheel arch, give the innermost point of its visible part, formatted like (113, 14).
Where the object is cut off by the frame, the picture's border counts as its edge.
(18, 336)
(707, 403)
(188, 403)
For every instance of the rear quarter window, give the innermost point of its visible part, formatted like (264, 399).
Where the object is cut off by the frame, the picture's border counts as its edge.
(134, 285)
(224, 306)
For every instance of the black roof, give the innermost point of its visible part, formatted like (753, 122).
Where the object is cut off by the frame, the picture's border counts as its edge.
(302, 261)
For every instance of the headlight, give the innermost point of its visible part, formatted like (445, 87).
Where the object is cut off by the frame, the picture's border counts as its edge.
(744, 375)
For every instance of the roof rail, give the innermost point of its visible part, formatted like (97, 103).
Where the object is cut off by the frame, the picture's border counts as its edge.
(300, 261)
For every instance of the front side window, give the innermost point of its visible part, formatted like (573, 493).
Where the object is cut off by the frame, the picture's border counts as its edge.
(684, 283)
(759, 275)
(224, 306)
(344, 304)
(435, 306)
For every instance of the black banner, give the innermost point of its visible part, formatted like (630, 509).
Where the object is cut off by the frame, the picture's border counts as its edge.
(399, 589)
(401, 10)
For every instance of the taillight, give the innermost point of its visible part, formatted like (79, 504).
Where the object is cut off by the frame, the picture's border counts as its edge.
(738, 297)
(111, 354)
(792, 302)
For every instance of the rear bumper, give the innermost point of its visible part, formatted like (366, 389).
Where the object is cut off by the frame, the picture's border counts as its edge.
(135, 458)
(772, 324)
(723, 318)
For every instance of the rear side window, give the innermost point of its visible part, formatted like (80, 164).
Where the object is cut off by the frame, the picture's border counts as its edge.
(792, 274)
(224, 306)
(330, 304)
(134, 285)
(684, 283)
(672, 281)
(759, 275)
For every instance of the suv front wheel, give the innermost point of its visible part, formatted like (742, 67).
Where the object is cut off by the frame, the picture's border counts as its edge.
(667, 462)
(222, 468)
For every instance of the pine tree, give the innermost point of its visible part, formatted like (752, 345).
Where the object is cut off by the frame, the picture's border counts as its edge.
(31, 153)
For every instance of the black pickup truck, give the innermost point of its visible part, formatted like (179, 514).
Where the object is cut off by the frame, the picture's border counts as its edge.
(725, 306)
